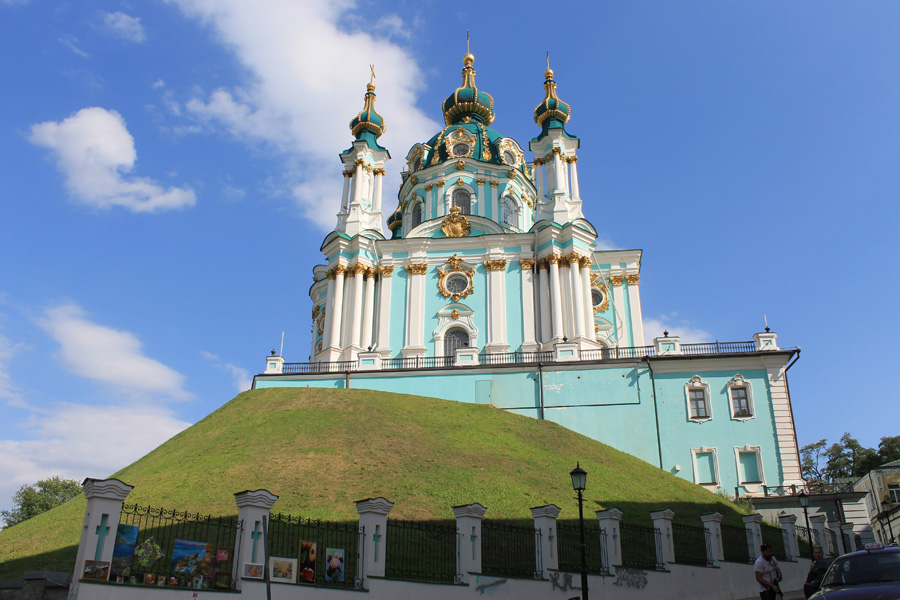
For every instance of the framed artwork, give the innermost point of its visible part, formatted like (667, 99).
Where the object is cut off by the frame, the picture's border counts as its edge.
(334, 564)
(123, 551)
(192, 558)
(161, 581)
(254, 571)
(283, 570)
(223, 555)
(149, 579)
(221, 580)
(97, 570)
(307, 562)
(198, 582)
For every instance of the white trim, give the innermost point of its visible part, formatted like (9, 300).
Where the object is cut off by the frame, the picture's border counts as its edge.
(696, 383)
(712, 486)
(739, 382)
(465, 320)
(751, 486)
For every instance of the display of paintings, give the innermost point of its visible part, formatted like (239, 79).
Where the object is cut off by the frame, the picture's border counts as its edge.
(97, 570)
(222, 580)
(253, 571)
(223, 555)
(283, 570)
(334, 564)
(192, 558)
(123, 551)
(149, 579)
(307, 562)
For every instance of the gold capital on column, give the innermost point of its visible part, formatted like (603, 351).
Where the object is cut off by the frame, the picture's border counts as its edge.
(417, 268)
(526, 263)
(632, 279)
(552, 259)
(616, 280)
(573, 258)
(498, 264)
(385, 270)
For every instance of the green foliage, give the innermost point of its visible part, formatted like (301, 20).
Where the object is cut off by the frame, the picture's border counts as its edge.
(812, 457)
(32, 500)
(846, 458)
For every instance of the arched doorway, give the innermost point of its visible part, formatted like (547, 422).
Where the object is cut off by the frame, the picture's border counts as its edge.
(453, 339)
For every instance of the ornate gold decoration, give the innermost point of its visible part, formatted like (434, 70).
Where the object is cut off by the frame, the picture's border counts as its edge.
(507, 145)
(455, 264)
(596, 328)
(454, 314)
(368, 168)
(511, 174)
(586, 262)
(526, 263)
(632, 279)
(428, 187)
(571, 159)
(460, 135)
(498, 264)
(370, 273)
(603, 305)
(417, 268)
(456, 225)
(480, 180)
(459, 181)
(494, 184)
(414, 180)
(616, 280)
(379, 171)
(440, 184)
(460, 165)
(556, 150)
(385, 270)
(347, 173)
(339, 269)
(418, 153)
(466, 119)
(538, 161)
(485, 143)
(542, 264)
(359, 269)
(316, 310)
(553, 259)
(573, 257)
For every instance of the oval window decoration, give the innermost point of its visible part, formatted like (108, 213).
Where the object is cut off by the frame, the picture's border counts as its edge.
(509, 157)
(457, 283)
(596, 297)
(460, 149)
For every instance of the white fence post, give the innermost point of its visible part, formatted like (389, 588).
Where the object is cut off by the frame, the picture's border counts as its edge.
(715, 550)
(253, 508)
(754, 540)
(101, 518)
(847, 529)
(373, 514)
(468, 526)
(662, 520)
(788, 525)
(838, 538)
(609, 522)
(545, 522)
(818, 527)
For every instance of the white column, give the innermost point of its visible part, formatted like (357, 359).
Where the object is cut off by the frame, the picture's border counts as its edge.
(577, 293)
(101, 518)
(715, 550)
(384, 310)
(496, 301)
(415, 310)
(618, 298)
(559, 183)
(573, 172)
(555, 297)
(634, 301)
(379, 180)
(565, 288)
(539, 178)
(329, 302)
(468, 524)
(544, 297)
(835, 527)
(564, 165)
(492, 199)
(529, 344)
(370, 187)
(335, 311)
(609, 524)
(588, 299)
(253, 512)
(373, 514)
(345, 196)
(545, 522)
(357, 182)
(368, 309)
(662, 520)
(846, 529)
(358, 294)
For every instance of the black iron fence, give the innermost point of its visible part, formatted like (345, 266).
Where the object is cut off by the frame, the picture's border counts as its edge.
(422, 550)
(568, 544)
(846, 539)
(805, 541)
(514, 358)
(736, 543)
(775, 537)
(509, 550)
(831, 545)
(693, 545)
(160, 547)
(641, 546)
(340, 366)
(315, 552)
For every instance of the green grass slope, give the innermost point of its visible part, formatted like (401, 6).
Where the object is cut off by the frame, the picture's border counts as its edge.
(319, 450)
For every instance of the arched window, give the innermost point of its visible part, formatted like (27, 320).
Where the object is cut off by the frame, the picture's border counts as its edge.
(416, 218)
(596, 297)
(508, 214)
(453, 339)
(461, 199)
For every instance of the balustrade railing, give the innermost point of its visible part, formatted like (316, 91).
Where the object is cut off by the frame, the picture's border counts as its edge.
(805, 541)
(831, 545)
(811, 489)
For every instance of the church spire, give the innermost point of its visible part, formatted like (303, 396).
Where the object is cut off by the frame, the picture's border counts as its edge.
(368, 125)
(468, 101)
(552, 113)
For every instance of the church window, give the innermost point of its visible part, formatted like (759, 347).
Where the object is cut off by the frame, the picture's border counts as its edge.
(457, 283)
(509, 213)
(596, 297)
(416, 218)
(455, 338)
(462, 200)
(749, 467)
(739, 394)
(509, 157)
(460, 149)
(706, 470)
(697, 395)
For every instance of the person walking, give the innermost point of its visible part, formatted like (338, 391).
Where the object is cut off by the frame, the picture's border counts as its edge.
(768, 573)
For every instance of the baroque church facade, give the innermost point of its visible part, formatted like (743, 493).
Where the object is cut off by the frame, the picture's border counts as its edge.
(488, 287)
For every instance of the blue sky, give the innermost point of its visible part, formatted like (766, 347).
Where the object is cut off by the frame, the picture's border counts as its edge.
(170, 169)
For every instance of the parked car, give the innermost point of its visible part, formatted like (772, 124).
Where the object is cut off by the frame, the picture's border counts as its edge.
(870, 574)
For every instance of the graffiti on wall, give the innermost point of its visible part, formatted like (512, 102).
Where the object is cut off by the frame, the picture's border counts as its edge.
(633, 578)
(563, 586)
(488, 585)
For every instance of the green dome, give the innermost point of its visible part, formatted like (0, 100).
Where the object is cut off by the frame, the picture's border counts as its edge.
(552, 112)
(395, 222)
(468, 100)
(368, 123)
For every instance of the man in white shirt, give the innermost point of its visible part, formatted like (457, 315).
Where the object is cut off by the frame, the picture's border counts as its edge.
(767, 572)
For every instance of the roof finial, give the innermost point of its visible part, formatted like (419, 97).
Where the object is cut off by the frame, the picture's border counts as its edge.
(372, 80)
(548, 74)
(548, 60)
(766, 320)
(467, 42)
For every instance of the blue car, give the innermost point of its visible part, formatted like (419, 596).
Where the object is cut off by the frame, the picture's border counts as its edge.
(870, 574)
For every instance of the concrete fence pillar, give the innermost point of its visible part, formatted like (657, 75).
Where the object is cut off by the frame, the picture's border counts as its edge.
(754, 539)
(847, 529)
(373, 514)
(665, 543)
(468, 524)
(254, 507)
(791, 545)
(545, 522)
(817, 522)
(838, 538)
(101, 518)
(609, 524)
(715, 550)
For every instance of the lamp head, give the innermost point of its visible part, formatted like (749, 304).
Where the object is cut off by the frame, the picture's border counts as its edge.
(579, 478)
(804, 499)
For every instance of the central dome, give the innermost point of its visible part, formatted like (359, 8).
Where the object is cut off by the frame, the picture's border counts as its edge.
(468, 100)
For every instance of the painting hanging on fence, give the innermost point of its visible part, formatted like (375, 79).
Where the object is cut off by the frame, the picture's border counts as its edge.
(97, 570)
(222, 580)
(123, 551)
(283, 570)
(307, 562)
(223, 554)
(253, 571)
(334, 564)
(192, 558)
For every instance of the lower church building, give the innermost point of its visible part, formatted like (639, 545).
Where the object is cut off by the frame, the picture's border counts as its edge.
(488, 288)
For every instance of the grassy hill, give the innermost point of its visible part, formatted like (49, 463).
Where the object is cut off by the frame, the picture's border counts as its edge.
(320, 450)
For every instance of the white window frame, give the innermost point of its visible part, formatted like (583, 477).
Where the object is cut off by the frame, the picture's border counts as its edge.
(750, 486)
(473, 210)
(696, 383)
(893, 493)
(709, 485)
(421, 204)
(739, 382)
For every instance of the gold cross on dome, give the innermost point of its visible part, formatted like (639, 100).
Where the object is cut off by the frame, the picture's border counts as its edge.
(372, 68)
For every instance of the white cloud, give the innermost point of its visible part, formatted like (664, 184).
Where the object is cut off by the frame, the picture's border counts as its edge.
(159, 83)
(95, 152)
(240, 377)
(70, 42)
(124, 27)
(77, 441)
(108, 355)
(682, 328)
(308, 77)
(8, 390)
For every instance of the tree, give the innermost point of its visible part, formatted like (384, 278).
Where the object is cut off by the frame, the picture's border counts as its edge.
(889, 449)
(848, 458)
(812, 456)
(40, 497)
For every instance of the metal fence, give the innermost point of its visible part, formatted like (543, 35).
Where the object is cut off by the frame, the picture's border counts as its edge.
(568, 544)
(340, 366)
(514, 358)
(846, 539)
(736, 543)
(327, 553)
(831, 545)
(509, 550)
(693, 545)
(160, 547)
(804, 544)
(641, 546)
(422, 550)
(775, 536)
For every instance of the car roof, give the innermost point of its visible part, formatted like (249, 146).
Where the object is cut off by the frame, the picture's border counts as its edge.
(887, 550)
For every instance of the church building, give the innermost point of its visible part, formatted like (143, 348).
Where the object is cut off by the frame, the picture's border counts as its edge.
(487, 287)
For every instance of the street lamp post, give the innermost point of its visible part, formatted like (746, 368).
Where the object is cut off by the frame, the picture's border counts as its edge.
(885, 507)
(579, 477)
(804, 502)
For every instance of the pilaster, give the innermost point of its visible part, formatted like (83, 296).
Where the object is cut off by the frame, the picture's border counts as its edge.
(529, 342)
(383, 326)
(415, 306)
(496, 301)
(817, 522)
(555, 298)
(789, 527)
(662, 520)
(634, 302)
(544, 300)
(101, 518)
(468, 524)
(368, 309)
(609, 524)
(847, 530)
(715, 550)
(545, 522)
(753, 523)
(835, 527)
(253, 512)
(373, 514)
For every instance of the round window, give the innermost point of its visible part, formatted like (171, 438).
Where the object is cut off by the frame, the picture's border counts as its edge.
(596, 297)
(460, 149)
(457, 283)
(510, 157)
